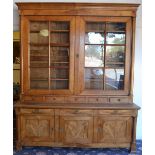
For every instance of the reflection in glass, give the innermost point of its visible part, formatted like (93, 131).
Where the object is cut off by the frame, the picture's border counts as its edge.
(114, 79)
(115, 56)
(94, 56)
(115, 38)
(113, 27)
(93, 78)
(94, 38)
(95, 27)
(93, 73)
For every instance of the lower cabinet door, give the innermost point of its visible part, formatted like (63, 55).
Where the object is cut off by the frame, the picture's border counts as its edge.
(37, 128)
(76, 129)
(113, 129)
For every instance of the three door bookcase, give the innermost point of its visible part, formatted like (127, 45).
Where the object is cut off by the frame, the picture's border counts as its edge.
(77, 75)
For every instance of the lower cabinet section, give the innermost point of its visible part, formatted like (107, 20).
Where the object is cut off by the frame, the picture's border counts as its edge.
(76, 127)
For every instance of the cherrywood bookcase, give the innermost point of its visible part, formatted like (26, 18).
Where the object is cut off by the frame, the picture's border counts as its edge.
(77, 75)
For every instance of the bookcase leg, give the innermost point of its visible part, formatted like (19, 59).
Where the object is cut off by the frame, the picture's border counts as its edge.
(18, 146)
(133, 144)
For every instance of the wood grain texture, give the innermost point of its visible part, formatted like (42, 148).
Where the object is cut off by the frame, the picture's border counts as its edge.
(73, 117)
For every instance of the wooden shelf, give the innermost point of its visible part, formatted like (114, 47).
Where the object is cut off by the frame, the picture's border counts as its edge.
(59, 79)
(51, 44)
(52, 31)
(106, 44)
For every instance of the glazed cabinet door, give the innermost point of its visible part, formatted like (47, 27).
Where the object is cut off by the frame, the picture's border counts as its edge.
(37, 128)
(47, 54)
(113, 129)
(76, 129)
(104, 55)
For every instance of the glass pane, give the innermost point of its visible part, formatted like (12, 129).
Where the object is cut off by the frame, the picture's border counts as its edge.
(39, 32)
(38, 25)
(39, 73)
(39, 78)
(94, 56)
(60, 73)
(113, 27)
(93, 78)
(60, 54)
(60, 37)
(39, 56)
(115, 38)
(59, 84)
(59, 25)
(94, 38)
(115, 56)
(95, 27)
(39, 84)
(114, 79)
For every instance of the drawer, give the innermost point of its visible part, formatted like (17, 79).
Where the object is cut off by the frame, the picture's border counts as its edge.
(76, 99)
(37, 111)
(75, 112)
(27, 98)
(97, 100)
(55, 99)
(120, 100)
(116, 112)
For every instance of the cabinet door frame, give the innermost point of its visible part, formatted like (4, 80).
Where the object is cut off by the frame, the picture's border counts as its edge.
(62, 133)
(25, 60)
(80, 82)
(98, 130)
(38, 117)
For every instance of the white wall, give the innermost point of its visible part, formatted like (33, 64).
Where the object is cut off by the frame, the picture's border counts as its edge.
(138, 47)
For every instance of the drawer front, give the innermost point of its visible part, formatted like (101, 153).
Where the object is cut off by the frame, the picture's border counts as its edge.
(97, 100)
(76, 99)
(120, 100)
(75, 112)
(116, 112)
(38, 111)
(55, 99)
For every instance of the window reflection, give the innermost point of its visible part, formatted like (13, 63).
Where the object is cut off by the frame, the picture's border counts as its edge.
(94, 56)
(94, 38)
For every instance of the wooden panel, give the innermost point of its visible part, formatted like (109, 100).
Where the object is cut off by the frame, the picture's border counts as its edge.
(76, 112)
(76, 99)
(55, 99)
(37, 111)
(116, 112)
(37, 128)
(120, 100)
(113, 129)
(97, 100)
(76, 129)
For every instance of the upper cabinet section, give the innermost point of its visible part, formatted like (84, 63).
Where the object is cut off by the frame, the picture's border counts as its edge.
(76, 48)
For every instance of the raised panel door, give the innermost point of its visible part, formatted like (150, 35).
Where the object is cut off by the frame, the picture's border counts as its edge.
(37, 128)
(113, 129)
(76, 129)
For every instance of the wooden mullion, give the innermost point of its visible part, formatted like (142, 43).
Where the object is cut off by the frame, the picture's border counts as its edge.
(104, 57)
(49, 61)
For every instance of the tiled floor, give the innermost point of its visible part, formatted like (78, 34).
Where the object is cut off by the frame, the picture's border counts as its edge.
(76, 151)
